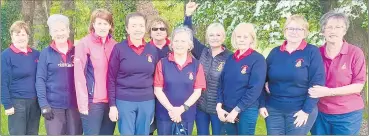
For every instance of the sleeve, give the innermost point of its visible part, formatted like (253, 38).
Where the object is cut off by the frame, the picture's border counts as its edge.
(264, 95)
(220, 86)
(80, 59)
(5, 81)
(358, 68)
(255, 85)
(41, 77)
(316, 77)
(113, 68)
(200, 82)
(198, 46)
(158, 77)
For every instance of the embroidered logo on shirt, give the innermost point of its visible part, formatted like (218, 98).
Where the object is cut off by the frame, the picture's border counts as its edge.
(190, 76)
(299, 62)
(243, 69)
(343, 66)
(149, 58)
(220, 67)
(68, 65)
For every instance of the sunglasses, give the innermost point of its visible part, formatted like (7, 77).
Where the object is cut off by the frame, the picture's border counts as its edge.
(156, 29)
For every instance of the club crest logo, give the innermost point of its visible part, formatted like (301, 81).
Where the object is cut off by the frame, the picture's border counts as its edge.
(299, 63)
(244, 69)
(149, 58)
(343, 66)
(220, 67)
(190, 76)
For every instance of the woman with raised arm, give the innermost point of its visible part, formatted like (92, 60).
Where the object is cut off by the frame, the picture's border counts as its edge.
(213, 59)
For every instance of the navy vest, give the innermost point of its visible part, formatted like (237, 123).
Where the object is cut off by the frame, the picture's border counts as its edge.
(178, 87)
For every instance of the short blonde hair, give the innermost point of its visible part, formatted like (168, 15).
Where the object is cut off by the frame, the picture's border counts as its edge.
(17, 26)
(248, 28)
(299, 19)
(213, 26)
(180, 30)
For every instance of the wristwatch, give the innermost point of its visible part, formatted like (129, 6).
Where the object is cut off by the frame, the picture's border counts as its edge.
(185, 107)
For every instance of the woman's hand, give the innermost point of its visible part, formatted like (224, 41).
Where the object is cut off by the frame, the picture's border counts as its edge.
(231, 117)
(113, 114)
(9, 111)
(190, 8)
(301, 118)
(263, 112)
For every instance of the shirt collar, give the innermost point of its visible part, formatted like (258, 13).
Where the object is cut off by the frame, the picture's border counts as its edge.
(16, 50)
(188, 60)
(245, 54)
(98, 39)
(344, 48)
(53, 46)
(131, 44)
(302, 45)
(167, 42)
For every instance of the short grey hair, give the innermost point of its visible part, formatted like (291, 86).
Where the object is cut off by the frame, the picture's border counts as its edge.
(333, 14)
(56, 18)
(212, 26)
(180, 30)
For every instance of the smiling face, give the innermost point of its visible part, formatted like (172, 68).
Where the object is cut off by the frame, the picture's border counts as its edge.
(101, 27)
(243, 40)
(59, 32)
(181, 43)
(20, 39)
(136, 27)
(294, 32)
(334, 30)
(158, 31)
(215, 37)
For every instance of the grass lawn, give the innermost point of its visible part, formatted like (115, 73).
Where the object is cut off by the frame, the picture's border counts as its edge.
(260, 126)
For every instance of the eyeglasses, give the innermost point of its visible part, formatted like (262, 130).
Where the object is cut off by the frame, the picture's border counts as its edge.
(295, 29)
(156, 29)
(336, 27)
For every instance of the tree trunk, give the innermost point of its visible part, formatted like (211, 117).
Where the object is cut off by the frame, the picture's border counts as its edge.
(355, 34)
(147, 8)
(28, 8)
(108, 5)
(40, 30)
(69, 7)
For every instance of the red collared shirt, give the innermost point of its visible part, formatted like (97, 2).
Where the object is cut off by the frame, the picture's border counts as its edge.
(244, 55)
(348, 67)
(302, 46)
(16, 50)
(137, 49)
(167, 42)
(200, 82)
(64, 56)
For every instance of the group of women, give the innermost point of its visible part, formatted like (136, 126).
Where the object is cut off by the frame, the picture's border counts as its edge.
(87, 88)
